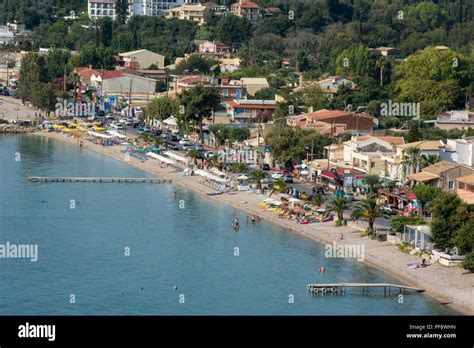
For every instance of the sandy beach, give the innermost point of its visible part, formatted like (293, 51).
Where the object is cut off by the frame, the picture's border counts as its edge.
(453, 287)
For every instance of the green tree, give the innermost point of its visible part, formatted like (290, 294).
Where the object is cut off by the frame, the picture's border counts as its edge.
(356, 61)
(194, 155)
(161, 108)
(29, 76)
(432, 78)
(194, 63)
(105, 31)
(367, 209)
(338, 205)
(317, 199)
(425, 194)
(448, 214)
(199, 102)
(121, 11)
(43, 96)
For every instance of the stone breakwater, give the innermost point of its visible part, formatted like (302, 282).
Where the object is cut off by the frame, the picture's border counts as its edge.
(14, 129)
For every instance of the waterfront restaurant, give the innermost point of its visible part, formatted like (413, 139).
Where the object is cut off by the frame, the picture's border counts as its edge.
(404, 199)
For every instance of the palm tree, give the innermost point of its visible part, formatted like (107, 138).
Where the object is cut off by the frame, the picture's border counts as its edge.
(279, 185)
(411, 158)
(145, 136)
(239, 167)
(381, 63)
(195, 155)
(367, 209)
(317, 199)
(158, 141)
(371, 181)
(338, 205)
(258, 175)
(428, 160)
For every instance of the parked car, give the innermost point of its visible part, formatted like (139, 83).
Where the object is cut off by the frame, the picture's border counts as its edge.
(288, 179)
(186, 147)
(119, 126)
(277, 175)
(390, 209)
(208, 154)
(172, 146)
(184, 141)
(265, 166)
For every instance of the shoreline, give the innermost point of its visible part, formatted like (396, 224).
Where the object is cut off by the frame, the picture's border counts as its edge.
(438, 281)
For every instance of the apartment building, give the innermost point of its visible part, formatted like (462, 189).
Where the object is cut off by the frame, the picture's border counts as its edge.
(98, 9)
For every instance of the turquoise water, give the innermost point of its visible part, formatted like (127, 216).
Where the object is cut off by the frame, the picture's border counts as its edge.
(81, 250)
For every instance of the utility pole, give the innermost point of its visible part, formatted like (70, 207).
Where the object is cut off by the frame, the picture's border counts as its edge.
(64, 82)
(130, 99)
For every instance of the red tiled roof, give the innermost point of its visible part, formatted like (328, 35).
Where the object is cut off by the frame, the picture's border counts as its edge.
(109, 74)
(246, 4)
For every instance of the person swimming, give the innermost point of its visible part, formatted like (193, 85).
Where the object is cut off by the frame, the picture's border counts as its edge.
(253, 219)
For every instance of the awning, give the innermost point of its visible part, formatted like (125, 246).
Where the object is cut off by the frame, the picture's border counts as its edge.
(177, 157)
(422, 177)
(328, 175)
(295, 200)
(160, 158)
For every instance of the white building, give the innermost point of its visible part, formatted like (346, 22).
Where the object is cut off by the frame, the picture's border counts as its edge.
(460, 151)
(98, 9)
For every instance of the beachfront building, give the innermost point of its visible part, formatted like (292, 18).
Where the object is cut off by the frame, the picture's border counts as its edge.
(98, 9)
(246, 9)
(251, 111)
(442, 174)
(194, 12)
(365, 152)
(142, 59)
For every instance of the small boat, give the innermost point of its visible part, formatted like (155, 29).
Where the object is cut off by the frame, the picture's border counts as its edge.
(215, 194)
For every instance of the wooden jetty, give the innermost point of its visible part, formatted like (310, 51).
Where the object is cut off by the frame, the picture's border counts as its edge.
(341, 287)
(45, 179)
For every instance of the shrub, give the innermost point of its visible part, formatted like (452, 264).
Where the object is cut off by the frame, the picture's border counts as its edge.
(468, 262)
